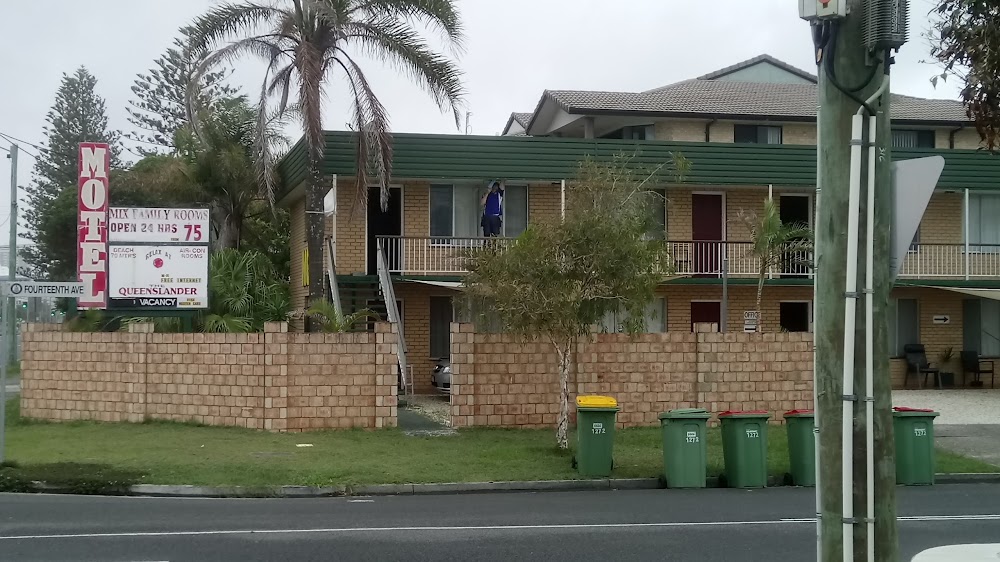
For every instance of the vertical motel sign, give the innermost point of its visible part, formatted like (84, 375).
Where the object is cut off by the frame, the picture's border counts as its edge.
(92, 224)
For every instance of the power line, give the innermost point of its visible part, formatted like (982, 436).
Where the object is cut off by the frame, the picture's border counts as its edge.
(31, 144)
(22, 149)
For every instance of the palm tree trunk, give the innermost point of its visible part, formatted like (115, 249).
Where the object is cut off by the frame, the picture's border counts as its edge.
(760, 291)
(312, 124)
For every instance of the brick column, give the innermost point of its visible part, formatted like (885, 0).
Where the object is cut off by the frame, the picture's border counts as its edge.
(463, 360)
(386, 369)
(276, 376)
(136, 372)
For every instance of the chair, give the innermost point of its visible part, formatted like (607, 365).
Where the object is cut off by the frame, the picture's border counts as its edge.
(971, 363)
(916, 364)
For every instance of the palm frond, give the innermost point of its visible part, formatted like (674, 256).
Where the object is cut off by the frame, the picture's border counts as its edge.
(374, 140)
(401, 46)
(228, 20)
(437, 15)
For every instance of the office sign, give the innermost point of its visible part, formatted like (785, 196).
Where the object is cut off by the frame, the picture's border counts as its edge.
(750, 320)
(158, 225)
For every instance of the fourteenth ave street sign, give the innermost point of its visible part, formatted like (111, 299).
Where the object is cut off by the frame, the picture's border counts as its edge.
(41, 289)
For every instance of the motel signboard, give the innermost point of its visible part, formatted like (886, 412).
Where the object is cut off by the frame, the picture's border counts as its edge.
(137, 258)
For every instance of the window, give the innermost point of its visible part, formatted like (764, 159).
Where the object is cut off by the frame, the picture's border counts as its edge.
(635, 132)
(912, 139)
(984, 222)
(981, 326)
(904, 324)
(915, 243)
(456, 211)
(796, 316)
(655, 318)
(756, 134)
(658, 209)
(442, 315)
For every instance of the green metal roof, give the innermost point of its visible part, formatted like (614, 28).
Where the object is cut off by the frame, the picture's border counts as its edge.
(451, 157)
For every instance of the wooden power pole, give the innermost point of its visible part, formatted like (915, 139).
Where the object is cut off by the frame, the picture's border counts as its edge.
(847, 65)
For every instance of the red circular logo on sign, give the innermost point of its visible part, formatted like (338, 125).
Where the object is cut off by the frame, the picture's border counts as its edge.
(158, 263)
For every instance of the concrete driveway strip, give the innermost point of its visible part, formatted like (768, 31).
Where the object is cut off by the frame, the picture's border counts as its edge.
(636, 525)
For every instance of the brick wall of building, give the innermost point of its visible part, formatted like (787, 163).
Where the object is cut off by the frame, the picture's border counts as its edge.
(276, 380)
(497, 381)
(798, 133)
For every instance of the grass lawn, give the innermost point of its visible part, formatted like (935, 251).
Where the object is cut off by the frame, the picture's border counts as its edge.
(173, 453)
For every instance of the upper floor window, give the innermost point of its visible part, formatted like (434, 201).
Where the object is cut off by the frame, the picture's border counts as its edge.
(756, 134)
(658, 210)
(456, 211)
(635, 132)
(902, 138)
(984, 227)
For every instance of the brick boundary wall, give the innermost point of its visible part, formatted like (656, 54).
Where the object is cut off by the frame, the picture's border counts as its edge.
(498, 381)
(275, 380)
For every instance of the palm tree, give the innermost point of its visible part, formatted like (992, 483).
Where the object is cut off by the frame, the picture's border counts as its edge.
(773, 243)
(302, 42)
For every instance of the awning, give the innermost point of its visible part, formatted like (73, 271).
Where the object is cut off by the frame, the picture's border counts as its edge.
(993, 294)
(455, 285)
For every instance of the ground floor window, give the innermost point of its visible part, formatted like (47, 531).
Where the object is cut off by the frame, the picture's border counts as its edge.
(981, 326)
(904, 324)
(442, 315)
(796, 316)
(706, 312)
(654, 318)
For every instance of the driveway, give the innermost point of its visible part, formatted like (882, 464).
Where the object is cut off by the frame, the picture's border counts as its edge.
(969, 423)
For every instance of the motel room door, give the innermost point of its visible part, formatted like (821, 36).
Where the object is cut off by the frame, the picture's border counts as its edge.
(706, 312)
(708, 232)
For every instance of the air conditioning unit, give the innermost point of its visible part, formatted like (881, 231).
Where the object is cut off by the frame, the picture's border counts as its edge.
(886, 23)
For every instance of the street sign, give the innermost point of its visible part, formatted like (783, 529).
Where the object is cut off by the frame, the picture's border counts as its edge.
(913, 183)
(41, 289)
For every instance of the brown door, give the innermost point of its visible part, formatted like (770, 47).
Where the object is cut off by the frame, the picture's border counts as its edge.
(706, 232)
(794, 209)
(706, 313)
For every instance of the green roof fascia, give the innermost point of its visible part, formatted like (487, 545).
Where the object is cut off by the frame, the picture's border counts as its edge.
(451, 157)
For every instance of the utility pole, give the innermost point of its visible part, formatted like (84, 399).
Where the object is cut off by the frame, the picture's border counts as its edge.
(849, 75)
(12, 257)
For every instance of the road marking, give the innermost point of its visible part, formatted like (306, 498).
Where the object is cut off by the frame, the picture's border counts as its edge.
(343, 530)
(360, 501)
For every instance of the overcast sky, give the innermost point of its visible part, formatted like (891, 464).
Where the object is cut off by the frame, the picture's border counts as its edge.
(514, 50)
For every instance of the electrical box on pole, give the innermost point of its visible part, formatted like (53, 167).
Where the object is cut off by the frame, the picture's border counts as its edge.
(886, 24)
(815, 10)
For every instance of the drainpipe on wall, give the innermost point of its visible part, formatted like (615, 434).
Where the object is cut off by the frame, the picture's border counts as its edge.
(708, 130)
(951, 136)
(965, 227)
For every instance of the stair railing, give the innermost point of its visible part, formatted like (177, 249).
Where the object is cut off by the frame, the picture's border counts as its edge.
(389, 295)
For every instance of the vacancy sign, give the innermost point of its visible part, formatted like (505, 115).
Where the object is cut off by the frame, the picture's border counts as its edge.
(92, 224)
(154, 225)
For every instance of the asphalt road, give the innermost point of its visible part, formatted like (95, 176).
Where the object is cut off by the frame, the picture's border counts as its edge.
(703, 525)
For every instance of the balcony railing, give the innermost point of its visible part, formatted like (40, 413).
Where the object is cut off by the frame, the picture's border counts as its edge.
(445, 256)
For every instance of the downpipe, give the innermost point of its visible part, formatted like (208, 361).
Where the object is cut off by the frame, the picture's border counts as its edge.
(816, 448)
(850, 322)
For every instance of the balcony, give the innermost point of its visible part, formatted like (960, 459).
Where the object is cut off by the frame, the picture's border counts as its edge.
(444, 256)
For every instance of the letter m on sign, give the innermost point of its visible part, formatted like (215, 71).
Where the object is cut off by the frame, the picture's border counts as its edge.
(92, 224)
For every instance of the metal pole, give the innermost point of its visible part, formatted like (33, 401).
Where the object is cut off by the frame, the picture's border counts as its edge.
(12, 257)
(724, 321)
(3, 387)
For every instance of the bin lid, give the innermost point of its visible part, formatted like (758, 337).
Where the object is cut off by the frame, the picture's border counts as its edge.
(745, 414)
(596, 402)
(686, 413)
(903, 411)
(799, 413)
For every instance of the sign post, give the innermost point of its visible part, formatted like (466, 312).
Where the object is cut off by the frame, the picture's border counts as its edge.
(10, 290)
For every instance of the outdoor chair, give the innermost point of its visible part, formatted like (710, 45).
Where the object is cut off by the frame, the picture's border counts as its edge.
(971, 363)
(916, 364)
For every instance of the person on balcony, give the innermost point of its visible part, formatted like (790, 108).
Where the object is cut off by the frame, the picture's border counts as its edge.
(492, 203)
